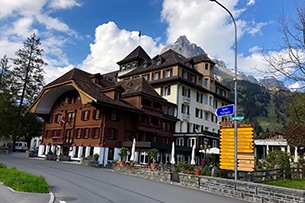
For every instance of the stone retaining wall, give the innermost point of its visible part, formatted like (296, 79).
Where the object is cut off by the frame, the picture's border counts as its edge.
(252, 192)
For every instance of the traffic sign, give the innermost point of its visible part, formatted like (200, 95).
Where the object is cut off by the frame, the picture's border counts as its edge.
(238, 118)
(225, 110)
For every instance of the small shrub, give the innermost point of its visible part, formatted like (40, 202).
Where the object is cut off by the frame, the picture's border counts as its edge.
(183, 166)
(205, 171)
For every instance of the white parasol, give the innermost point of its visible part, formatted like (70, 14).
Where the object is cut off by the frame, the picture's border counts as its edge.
(173, 154)
(133, 149)
(193, 156)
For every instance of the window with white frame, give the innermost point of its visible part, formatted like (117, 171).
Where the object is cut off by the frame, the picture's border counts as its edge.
(186, 91)
(166, 90)
(199, 97)
(211, 101)
(191, 141)
(205, 99)
(156, 75)
(206, 82)
(185, 109)
(206, 115)
(143, 158)
(167, 73)
(214, 143)
(180, 141)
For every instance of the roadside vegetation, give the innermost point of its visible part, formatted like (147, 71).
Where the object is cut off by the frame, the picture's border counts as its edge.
(22, 181)
(288, 183)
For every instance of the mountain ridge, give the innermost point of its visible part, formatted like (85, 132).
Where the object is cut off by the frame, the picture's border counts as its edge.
(184, 47)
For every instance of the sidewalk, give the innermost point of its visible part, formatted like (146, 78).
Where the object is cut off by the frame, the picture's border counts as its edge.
(8, 195)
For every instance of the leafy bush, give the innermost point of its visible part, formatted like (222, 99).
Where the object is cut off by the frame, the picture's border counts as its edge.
(205, 171)
(278, 159)
(183, 166)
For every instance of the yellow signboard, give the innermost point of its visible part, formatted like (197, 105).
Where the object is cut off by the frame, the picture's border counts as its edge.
(245, 148)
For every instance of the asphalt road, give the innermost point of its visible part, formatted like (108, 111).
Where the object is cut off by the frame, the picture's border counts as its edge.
(74, 183)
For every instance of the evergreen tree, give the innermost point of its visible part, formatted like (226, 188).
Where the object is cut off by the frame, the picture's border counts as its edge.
(4, 72)
(27, 80)
(27, 72)
(8, 107)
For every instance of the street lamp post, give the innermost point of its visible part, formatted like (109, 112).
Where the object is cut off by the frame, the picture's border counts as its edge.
(235, 89)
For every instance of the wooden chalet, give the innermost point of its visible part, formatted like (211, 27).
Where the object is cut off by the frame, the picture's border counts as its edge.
(88, 113)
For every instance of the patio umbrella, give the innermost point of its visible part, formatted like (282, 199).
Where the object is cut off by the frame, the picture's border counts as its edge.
(133, 149)
(173, 154)
(193, 156)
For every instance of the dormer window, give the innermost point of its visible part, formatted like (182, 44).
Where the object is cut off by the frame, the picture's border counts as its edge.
(158, 62)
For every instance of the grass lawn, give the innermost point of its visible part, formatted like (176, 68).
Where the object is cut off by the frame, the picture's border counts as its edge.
(295, 184)
(22, 181)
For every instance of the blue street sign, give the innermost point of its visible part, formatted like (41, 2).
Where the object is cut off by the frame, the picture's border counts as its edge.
(225, 110)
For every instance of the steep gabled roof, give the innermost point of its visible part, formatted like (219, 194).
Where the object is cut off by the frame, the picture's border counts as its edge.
(137, 53)
(89, 91)
(202, 57)
(168, 58)
(139, 86)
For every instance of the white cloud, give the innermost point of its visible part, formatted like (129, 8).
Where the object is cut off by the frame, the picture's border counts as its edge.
(251, 2)
(63, 4)
(33, 16)
(210, 26)
(112, 45)
(22, 8)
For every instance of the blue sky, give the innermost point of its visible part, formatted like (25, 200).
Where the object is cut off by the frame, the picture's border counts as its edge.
(94, 34)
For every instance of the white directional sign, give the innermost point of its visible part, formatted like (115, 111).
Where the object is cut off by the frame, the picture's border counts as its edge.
(225, 110)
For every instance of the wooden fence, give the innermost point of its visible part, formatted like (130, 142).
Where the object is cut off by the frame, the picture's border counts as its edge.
(259, 176)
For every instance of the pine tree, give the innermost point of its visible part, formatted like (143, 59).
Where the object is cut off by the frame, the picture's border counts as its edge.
(8, 107)
(27, 81)
(27, 72)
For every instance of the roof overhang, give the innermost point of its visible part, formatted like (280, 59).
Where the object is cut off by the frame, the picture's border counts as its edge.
(44, 103)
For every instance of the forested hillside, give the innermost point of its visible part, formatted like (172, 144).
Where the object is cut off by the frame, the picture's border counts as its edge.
(266, 109)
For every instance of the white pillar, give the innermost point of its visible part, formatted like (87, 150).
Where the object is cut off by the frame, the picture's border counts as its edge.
(288, 149)
(73, 151)
(295, 154)
(47, 149)
(41, 150)
(116, 156)
(80, 151)
(53, 148)
(267, 149)
(283, 149)
(87, 151)
(106, 150)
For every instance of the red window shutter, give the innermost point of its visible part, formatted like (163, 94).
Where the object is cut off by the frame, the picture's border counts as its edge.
(107, 132)
(82, 117)
(94, 114)
(88, 115)
(116, 134)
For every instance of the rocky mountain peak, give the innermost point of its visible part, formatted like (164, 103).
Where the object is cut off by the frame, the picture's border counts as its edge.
(184, 47)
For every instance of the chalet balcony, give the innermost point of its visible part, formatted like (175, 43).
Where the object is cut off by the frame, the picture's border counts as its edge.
(58, 139)
(150, 125)
(152, 108)
(148, 145)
